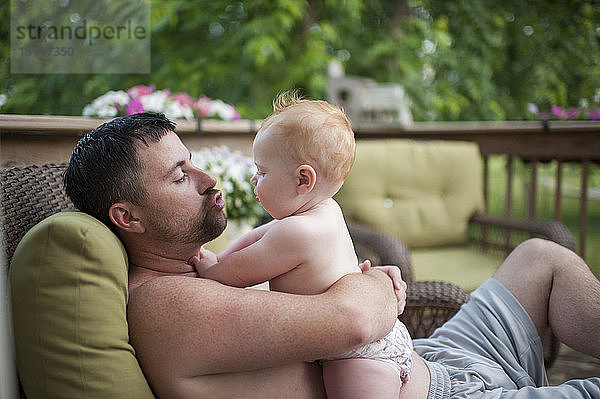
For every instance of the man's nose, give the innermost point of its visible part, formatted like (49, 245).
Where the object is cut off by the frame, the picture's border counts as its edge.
(204, 181)
(254, 180)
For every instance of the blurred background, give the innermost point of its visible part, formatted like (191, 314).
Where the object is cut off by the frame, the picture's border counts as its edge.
(457, 60)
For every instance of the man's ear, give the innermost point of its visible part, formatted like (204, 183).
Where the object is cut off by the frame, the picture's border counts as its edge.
(306, 179)
(124, 216)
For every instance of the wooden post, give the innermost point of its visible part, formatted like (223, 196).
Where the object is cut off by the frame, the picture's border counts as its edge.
(585, 167)
(509, 179)
(558, 191)
(532, 190)
(486, 198)
(486, 183)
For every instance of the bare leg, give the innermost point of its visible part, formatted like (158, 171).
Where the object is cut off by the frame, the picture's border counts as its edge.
(290, 381)
(360, 379)
(557, 289)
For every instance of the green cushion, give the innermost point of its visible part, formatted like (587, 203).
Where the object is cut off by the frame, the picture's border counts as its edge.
(464, 266)
(423, 192)
(69, 294)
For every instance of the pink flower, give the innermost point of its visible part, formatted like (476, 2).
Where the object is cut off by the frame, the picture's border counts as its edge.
(595, 115)
(135, 106)
(140, 90)
(236, 114)
(573, 113)
(558, 111)
(184, 99)
(203, 106)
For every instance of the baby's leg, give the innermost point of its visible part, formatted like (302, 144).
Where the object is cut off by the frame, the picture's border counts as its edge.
(360, 379)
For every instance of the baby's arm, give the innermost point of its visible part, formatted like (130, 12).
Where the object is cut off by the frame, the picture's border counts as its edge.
(203, 261)
(206, 258)
(277, 251)
(247, 239)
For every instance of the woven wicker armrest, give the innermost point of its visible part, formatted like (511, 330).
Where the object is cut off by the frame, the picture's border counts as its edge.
(380, 248)
(429, 304)
(548, 229)
(29, 194)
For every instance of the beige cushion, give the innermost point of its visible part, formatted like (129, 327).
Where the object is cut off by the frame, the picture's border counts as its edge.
(69, 294)
(423, 192)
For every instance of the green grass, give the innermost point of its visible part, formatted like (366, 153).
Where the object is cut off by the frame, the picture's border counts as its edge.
(545, 199)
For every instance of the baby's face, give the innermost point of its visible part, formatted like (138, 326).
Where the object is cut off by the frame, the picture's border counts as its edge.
(274, 180)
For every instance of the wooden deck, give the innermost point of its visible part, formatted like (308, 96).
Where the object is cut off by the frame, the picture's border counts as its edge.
(572, 365)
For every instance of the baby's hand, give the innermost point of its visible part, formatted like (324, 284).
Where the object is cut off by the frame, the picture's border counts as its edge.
(394, 273)
(203, 261)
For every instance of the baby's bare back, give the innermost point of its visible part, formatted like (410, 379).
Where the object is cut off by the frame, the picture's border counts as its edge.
(324, 247)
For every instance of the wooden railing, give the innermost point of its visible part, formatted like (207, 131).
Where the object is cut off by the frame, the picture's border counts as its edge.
(27, 139)
(69, 125)
(533, 142)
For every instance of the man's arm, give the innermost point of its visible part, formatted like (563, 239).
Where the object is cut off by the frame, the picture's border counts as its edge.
(183, 328)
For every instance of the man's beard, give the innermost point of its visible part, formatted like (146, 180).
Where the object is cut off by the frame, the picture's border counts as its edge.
(206, 225)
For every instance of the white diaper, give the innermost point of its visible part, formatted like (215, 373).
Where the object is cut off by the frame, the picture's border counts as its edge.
(395, 349)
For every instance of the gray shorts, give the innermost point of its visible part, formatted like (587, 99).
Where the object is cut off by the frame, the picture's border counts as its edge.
(491, 349)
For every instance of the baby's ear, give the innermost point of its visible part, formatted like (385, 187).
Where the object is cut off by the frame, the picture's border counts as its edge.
(306, 179)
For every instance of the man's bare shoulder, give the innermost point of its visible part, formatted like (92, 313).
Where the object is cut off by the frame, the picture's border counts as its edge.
(172, 317)
(168, 290)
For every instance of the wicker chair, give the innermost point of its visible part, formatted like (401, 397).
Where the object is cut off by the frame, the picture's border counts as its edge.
(29, 194)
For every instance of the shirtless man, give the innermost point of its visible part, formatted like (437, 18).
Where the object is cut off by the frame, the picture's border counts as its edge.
(198, 338)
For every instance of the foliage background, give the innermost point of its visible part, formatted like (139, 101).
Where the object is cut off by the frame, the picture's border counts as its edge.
(458, 60)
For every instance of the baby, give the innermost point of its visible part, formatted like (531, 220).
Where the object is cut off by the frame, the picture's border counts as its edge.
(303, 152)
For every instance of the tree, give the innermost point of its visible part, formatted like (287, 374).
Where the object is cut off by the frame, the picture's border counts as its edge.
(460, 60)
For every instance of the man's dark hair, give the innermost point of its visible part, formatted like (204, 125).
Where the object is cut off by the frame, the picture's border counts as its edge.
(105, 167)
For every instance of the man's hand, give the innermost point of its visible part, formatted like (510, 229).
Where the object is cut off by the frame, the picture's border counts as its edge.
(395, 274)
(203, 261)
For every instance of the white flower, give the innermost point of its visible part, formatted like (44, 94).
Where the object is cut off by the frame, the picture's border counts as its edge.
(174, 106)
(532, 108)
(107, 111)
(245, 186)
(3, 99)
(174, 110)
(112, 98)
(89, 110)
(596, 96)
(218, 168)
(107, 105)
(228, 186)
(234, 171)
(221, 109)
(155, 102)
